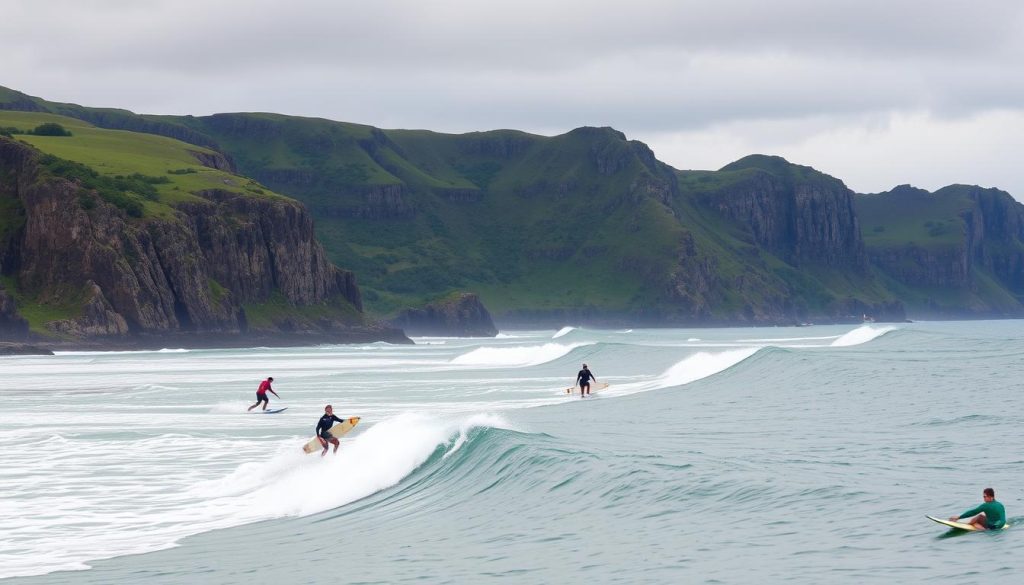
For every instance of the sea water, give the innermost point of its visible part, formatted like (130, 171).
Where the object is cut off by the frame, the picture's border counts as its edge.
(797, 455)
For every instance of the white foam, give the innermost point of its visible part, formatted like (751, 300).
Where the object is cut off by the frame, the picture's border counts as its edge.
(295, 484)
(530, 355)
(862, 334)
(563, 331)
(169, 494)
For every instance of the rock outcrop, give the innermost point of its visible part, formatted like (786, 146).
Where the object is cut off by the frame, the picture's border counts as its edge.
(800, 215)
(230, 265)
(459, 315)
(23, 349)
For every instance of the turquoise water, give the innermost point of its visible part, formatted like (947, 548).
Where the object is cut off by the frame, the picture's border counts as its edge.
(797, 455)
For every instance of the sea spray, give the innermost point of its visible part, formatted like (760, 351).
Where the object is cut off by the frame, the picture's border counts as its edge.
(531, 355)
(862, 334)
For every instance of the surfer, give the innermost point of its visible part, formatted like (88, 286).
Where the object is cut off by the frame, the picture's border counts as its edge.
(990, 514)
(583, 379)
(261, 394)
(323, 426)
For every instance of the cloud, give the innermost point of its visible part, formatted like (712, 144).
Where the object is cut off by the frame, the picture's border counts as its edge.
(870, 153)
(648, 67)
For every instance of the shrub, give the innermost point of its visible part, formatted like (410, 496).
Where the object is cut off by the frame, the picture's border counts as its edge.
(119, 191)
(50, 129)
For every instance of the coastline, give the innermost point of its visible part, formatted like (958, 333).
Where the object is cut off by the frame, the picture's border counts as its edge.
(203, 341)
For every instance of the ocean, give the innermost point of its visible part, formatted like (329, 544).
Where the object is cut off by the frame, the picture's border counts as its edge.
(799, 455)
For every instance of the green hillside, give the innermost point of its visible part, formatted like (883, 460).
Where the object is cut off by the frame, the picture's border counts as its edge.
(587, 223)
(169, 167)
(907, 215)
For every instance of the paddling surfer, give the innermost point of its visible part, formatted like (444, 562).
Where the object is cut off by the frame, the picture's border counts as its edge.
(583, 379)
(989, 515)
(261, 393)
(323, 427)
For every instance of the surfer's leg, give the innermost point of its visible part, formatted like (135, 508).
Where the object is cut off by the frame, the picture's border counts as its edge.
(337, 443)
(324, 443)
(588, 388)
(980, 521)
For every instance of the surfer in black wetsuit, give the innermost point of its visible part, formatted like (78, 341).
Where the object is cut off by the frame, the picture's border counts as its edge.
(583, 379)
(324, 426)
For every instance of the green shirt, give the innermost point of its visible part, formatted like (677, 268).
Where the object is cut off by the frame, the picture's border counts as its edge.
(995, 514)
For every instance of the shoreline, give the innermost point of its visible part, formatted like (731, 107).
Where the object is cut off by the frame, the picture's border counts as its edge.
(200, 341)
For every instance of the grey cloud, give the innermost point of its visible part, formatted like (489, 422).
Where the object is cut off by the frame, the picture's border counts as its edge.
(647, 66)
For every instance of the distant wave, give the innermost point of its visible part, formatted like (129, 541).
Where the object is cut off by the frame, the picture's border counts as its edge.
(124, 352)
(695, 367)
(563, 331)
(862, 334)
(774, 339)
(515, 356)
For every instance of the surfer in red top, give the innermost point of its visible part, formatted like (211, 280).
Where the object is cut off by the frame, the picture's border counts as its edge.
(261, 393)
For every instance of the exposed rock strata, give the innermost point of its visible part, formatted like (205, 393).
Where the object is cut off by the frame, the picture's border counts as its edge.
(201, 272)
(802, 222)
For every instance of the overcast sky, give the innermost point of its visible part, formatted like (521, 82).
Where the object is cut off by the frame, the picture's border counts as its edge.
(876, 93)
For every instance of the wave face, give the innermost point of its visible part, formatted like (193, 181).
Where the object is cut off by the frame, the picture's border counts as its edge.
(472, 463)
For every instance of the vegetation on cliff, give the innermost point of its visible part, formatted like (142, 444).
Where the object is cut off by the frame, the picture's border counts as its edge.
(590, 226)
(113, 234)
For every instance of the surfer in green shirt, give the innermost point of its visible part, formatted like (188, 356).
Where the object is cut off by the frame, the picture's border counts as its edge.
(990, 515)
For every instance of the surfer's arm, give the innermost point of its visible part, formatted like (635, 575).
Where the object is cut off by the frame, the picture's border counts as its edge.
(336, 419)
(970, 512)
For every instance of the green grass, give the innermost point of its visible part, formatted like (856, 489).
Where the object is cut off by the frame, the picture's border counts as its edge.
(58, 306)
(277, 310)
(912, 216)
(113, 153)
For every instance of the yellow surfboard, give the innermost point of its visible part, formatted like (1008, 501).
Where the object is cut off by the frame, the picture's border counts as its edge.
(337, 431)
(959, 525)
(593, 387)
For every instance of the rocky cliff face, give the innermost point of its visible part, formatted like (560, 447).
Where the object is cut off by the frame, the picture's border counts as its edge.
(461, 315)
(230, 265)
(995, 235)
(802, 219)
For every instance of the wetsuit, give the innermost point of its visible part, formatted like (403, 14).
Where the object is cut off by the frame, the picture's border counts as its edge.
(326, 422)
(583, 377)
(261, 392)
(995, 514)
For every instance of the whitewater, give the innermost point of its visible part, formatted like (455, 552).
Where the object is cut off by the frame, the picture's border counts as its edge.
(728, 455)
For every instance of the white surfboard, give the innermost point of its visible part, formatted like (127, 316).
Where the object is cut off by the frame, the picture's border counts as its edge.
(959, 525)
(593, 388)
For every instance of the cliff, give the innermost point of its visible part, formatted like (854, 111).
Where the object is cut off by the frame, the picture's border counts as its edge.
(223, 264)
(802, 216)
(957, 252)
(458, 315)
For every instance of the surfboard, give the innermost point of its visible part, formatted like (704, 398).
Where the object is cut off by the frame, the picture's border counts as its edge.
(337, 431)
(268, 411)
(593, 388)
(958, 525)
